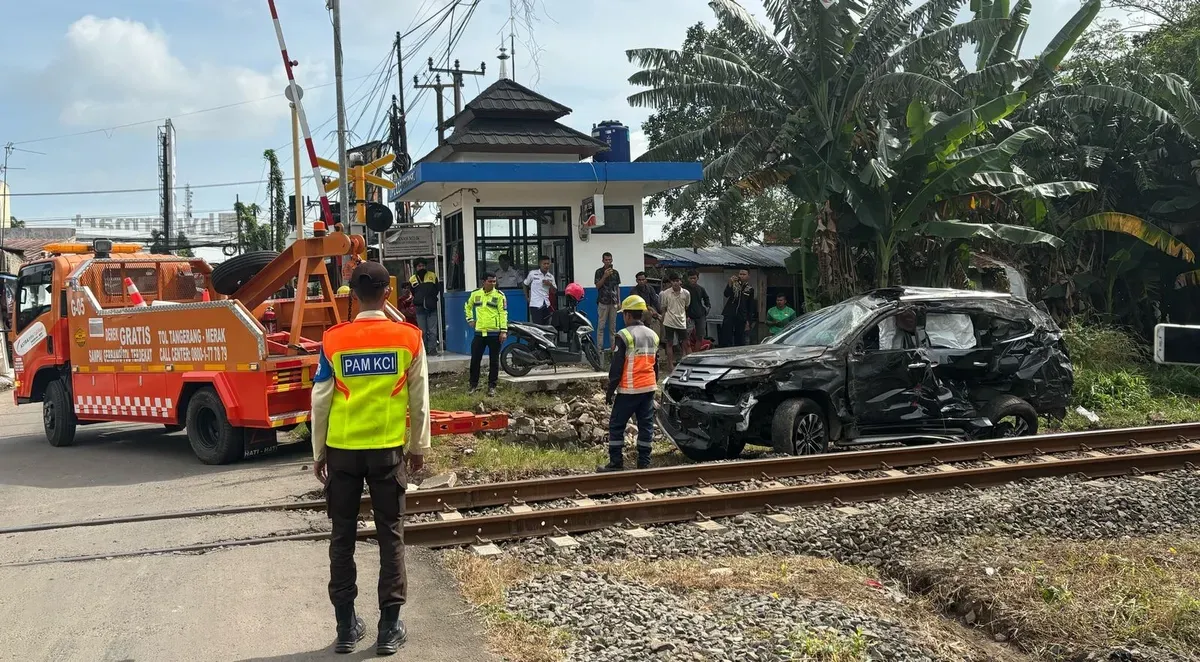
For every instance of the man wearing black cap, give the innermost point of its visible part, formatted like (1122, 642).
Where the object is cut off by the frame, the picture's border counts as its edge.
(375, 365)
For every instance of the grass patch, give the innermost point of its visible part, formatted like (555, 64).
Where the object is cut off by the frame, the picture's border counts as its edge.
(1063, 598)
(1116, 378)
(495, 459)
(483, 582)
(816, 579)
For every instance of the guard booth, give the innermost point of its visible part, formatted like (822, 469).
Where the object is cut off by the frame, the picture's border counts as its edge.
(510, 180)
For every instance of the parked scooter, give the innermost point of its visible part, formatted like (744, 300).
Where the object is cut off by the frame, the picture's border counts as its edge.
(569, 341)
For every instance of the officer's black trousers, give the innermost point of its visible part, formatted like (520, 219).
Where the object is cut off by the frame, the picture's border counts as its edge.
(492, 345)
(383, 471)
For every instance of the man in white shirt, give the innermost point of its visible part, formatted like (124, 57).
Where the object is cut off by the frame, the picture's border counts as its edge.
(674, 302)
(507, 276)
(539, 287)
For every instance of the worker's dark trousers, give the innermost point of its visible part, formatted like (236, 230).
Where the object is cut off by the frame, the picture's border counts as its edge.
(492, 345)
(383, 470)
(733, 332)
(626, 406)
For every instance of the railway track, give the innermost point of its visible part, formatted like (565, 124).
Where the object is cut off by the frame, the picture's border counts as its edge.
(572, 504)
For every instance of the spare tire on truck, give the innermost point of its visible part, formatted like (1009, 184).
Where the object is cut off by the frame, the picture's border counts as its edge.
(233, 273)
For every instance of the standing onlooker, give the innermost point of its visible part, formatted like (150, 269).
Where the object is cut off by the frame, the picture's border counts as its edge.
(697, 309)
(675, 302)
(407, 304)
(643, 289)
(508, 276)
(426, 289)
(780, 315)
(739, 311)
(608, 299)
(539, 287)
(487, 314)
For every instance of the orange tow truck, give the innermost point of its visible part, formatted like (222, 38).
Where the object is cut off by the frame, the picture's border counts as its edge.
(174, 350)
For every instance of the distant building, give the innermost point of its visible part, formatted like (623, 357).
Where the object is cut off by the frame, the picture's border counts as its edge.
(24, 244)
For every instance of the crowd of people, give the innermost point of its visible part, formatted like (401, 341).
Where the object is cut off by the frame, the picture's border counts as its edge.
(678, 312)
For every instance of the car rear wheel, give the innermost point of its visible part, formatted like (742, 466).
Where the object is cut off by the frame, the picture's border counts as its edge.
(58, 415)
(212, 438)
(1011, 417)
(799, 428)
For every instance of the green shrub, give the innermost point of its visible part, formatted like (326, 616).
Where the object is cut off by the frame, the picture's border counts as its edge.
(1103, 347)
(1107, 390)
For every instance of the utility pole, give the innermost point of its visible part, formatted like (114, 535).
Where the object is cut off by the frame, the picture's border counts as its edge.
(456, 76)
(8, 150)
(437, 86)
(343, 175)
(399, 133)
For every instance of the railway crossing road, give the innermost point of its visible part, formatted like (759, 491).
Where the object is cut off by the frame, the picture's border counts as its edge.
(250, 603)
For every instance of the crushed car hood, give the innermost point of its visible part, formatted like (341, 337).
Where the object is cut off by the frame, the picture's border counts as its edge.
(754, 356)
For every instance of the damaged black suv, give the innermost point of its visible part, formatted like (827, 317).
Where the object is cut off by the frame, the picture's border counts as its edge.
(901, 364)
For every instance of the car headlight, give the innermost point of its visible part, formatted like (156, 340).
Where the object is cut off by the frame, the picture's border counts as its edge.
(747, 373)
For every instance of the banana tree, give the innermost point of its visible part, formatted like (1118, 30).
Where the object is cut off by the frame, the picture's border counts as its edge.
(864, 113)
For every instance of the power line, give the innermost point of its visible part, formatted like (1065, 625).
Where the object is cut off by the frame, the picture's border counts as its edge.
(137, 190)
(172, 115)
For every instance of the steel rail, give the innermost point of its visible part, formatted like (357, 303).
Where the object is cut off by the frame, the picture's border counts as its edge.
(509, 526)
(562, 487)
(466, 497)
(664, 510)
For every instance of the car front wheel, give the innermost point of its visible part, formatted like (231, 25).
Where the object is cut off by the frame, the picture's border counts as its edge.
(799, 428)
(1011, 417)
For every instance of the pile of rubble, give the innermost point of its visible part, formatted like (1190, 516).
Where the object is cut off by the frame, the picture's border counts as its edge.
(577, 419)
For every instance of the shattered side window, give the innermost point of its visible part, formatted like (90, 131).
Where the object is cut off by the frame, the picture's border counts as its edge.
(950, 331)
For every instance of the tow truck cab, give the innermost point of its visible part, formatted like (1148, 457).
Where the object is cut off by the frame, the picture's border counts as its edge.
(84, 348)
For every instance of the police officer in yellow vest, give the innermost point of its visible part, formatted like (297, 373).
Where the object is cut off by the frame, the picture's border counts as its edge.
(487, 313)
(633, 377)
(370, 404)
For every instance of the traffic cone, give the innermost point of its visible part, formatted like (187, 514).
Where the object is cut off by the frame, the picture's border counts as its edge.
(134, 296)
(204, 295)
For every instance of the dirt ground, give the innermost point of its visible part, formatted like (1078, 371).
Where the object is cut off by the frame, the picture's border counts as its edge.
(247, 603)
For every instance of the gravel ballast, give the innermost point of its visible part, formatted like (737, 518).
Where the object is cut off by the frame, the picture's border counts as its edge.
(885, 532)
(613, 620)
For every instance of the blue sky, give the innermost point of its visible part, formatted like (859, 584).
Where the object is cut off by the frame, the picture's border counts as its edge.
(74, 66)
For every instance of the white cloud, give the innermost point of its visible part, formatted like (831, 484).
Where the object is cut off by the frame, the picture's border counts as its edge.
(113, 70)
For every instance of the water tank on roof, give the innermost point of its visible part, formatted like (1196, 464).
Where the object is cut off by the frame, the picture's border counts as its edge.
(617, 136)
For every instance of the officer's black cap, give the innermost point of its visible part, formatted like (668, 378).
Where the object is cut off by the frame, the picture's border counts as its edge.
(369, 278)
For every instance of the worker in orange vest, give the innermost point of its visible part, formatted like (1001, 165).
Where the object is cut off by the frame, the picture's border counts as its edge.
(633, 377)
(378, 366)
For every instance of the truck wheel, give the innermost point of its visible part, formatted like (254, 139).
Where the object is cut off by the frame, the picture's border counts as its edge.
(1011, 417)
(231, 274)
(799, 428)
(58, 415)
(213, 439)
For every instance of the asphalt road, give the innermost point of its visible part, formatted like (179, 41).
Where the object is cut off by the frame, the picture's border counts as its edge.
(245, 603)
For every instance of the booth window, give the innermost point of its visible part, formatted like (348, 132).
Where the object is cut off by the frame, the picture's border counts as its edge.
(524, 234)
(455, 276)
(617, 220)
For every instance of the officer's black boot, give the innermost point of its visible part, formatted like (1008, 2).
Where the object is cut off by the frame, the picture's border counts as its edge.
(643, 461)
(616, 461)
(350, 629)
(391, 631)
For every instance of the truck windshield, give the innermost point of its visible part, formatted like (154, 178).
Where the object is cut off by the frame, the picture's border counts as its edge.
(34, 294)
(824, 327)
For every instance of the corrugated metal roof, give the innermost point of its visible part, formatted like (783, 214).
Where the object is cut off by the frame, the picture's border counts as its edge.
(723, 256)
(524, 132)
(26, 245)
(511, 98)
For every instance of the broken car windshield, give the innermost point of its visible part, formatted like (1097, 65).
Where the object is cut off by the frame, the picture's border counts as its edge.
(824, 327)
